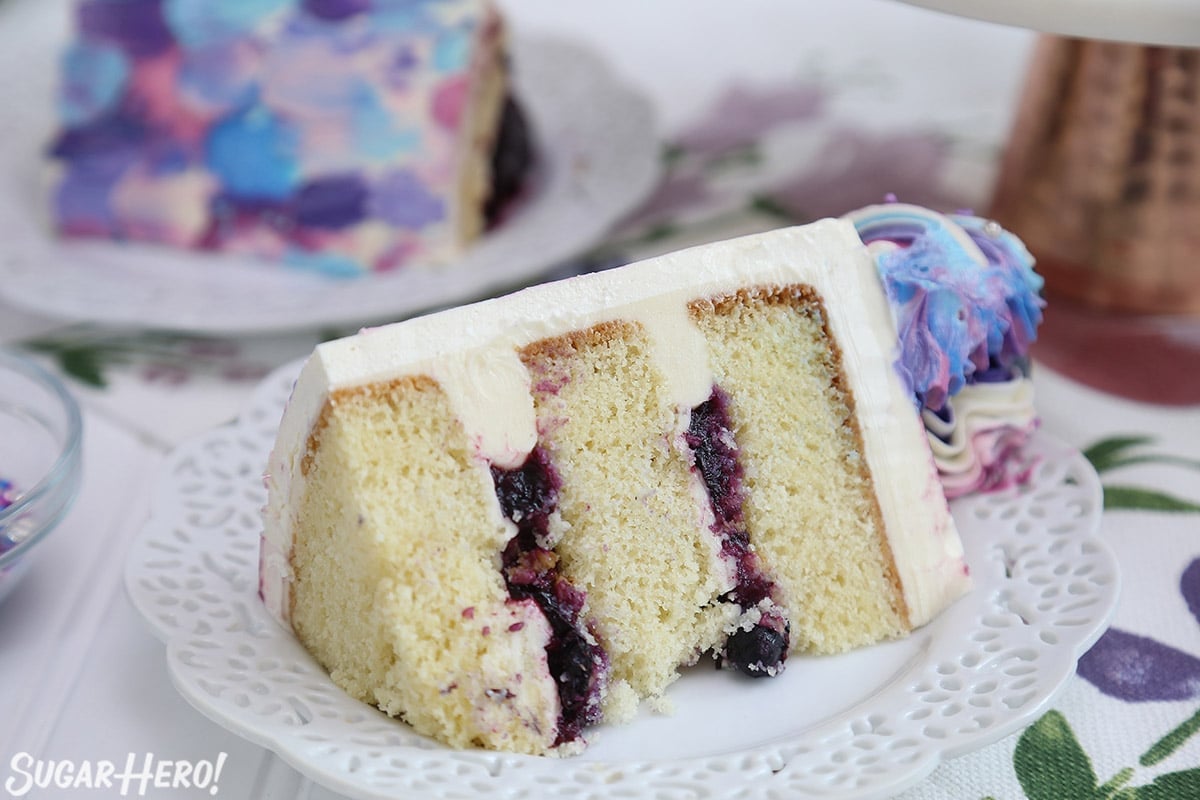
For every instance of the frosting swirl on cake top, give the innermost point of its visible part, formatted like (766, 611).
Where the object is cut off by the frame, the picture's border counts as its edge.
(963, 292)
(967, 304)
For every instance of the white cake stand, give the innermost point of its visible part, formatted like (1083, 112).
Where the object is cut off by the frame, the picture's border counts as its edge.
(1174, 23)
(1096, 180)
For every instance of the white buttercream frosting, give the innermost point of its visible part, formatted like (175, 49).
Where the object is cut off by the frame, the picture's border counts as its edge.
(472, 351)
(977, 443)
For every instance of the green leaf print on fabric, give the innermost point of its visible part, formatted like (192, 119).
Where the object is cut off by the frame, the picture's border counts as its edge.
(1106, 453)
(83, 364)
(1131, 497)
(1183, 785)
(91, 354)
(1123, 451)
(1050, 763)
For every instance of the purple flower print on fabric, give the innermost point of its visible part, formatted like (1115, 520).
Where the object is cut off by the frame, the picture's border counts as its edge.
(1189, 587)
(743, 114)
(856, 169)
(1139, 669)
(678, 194)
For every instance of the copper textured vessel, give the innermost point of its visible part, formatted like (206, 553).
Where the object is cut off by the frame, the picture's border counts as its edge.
(1102, 174)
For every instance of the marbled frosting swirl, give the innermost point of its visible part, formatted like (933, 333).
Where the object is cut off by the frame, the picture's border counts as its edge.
(966, 303)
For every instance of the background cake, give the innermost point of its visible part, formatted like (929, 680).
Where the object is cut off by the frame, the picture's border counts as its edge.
(335, 135)
(507, 521)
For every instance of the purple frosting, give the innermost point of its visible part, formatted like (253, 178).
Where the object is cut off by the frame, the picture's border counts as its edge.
(336, 9)
(402, 200)
(136, 25)
(333, 202)
(111, 133)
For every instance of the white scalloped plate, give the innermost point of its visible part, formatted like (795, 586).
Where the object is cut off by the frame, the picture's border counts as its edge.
(862, 725)
(598, 147)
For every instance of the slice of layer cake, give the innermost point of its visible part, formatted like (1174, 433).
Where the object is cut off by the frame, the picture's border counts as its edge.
(508, 521)
(336, 135)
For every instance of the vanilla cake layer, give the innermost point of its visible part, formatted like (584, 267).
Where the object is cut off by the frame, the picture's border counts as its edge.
(628, 505)
(591, 482)
(811, 509)
(407, 623)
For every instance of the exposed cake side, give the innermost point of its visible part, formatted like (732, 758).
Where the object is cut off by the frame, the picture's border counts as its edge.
(421, 625)
(811, 508)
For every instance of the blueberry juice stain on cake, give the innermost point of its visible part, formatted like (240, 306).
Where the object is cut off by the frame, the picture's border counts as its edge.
(528, 495)
(759, 644)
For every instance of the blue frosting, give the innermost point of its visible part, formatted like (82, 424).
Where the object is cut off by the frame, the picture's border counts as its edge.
(404, 15)
(201, 23)
(254, 152)
(94, 77)
(1022, 286)
(964, 310)
(329, 264)
(375, 133)
(212, 75)
(452, 52)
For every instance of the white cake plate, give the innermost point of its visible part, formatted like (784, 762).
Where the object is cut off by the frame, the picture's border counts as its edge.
(866, 724)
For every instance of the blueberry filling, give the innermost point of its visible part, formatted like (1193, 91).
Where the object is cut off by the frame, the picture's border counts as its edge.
(758, 647)
(512, 159)
(528, 495)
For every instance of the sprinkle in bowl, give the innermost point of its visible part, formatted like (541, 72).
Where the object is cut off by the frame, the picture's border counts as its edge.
(41, 434)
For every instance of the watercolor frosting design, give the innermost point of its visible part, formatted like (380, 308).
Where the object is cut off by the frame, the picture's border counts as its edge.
(967, 306)
(335, 135)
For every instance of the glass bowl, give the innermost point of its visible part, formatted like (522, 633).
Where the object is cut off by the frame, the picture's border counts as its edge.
(40, 442)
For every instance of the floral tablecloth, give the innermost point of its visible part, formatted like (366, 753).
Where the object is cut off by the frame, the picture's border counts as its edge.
(809, 112)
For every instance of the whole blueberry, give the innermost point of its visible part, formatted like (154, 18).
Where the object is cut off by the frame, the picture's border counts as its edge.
(757, 652)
